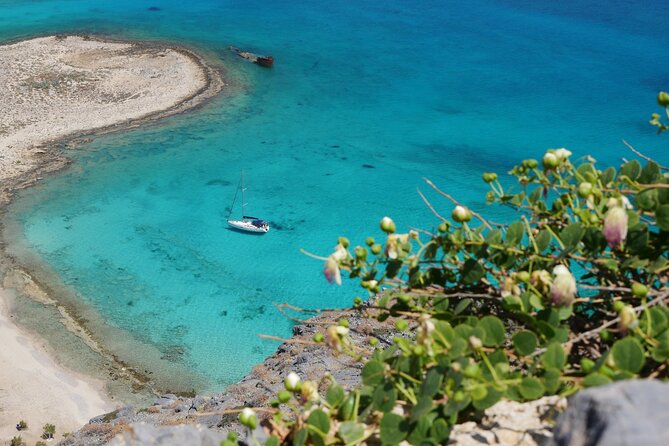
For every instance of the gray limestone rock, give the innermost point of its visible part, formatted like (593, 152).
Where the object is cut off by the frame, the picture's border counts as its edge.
(620, 414)
(149, 435)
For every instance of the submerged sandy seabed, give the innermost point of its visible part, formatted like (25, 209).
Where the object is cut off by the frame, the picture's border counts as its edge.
(54, 88)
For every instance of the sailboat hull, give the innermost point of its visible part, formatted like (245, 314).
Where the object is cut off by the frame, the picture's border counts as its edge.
(247, 226)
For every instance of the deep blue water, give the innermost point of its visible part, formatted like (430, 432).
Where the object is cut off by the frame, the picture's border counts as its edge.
(365, 99)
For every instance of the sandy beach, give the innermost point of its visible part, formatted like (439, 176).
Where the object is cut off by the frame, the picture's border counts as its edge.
(55, 89)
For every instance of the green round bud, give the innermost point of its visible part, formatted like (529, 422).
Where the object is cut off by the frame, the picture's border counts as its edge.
(461, 214)
(443, 226)
(357, 301)
(550, 161)
(369, 241)
(459, 396)
(655, 116)
(418, 350)
(401, 325)
(344, 242)
(489, 177)
(663, 99)
(343, 323)
(594, 219)
(531, 163)
(387, 225)
(274, 403)
(318, 337)
(587, 365)
(283, 396)
(373, 342)
(618, 306)
(471, 371)
(248, 418)
(639, 289)
(523, 276)
(360, 253)
(376, 249)
(584, 189)
(605, 335)
(404, 298)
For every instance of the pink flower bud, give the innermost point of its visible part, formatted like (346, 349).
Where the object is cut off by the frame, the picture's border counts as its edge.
(331, 271)
(615, 226)
(563, 289)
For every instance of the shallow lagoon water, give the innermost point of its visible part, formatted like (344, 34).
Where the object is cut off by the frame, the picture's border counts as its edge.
(365, 99)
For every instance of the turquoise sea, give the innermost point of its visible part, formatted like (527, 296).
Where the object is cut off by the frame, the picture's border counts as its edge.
(365, 99)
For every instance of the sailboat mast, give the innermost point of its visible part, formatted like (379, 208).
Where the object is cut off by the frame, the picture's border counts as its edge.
(243, 202)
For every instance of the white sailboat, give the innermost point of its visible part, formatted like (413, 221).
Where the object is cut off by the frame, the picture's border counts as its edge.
(247, 223)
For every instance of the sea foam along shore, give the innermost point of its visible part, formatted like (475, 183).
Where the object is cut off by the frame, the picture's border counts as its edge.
(57, 88)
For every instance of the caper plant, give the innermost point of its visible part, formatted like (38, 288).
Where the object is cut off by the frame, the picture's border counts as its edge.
(570, 294)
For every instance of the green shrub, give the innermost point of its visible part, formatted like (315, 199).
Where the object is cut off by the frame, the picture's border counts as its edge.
(17, 441)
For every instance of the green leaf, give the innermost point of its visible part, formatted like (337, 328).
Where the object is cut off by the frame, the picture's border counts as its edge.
(272, 441)
(653, 321)
(647, 200)
(351, 432)
(628, 354)
(531, 388)
(394, 429)
(554, 357)
(472, 272)
(422, 408)
(384, 397)
(461, 306)
(432, 382)
(440, 430)
(596, 379)
(661, 352)
(335, 395)
(631, 169)
(552, 380)
(300, 437)
(320, 421)
(608, 175)
(373, 373)
(515, 232)
(525, 342)
(543, 240)
(572, 234)
(662, 217)
(494, 237)
(494, 331)
(650, 173)
(491, 398)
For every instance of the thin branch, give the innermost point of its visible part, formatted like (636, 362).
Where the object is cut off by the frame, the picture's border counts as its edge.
(430, 205)
(287, 341)
(641, 155)
(454, 201)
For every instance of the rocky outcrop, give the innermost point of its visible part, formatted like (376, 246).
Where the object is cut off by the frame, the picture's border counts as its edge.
(621, 414)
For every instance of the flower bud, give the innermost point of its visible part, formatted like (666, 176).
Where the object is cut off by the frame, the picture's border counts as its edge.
(318, 337)
(461, 214)
(387, 225)
(360, 253)
(628, 319)
(376, 249)
(523, 276)
(584, 189)
(283, 396)
(489, 177)
(531, 163)
(443, 226)
(615, 226)
(562, 154)
(663, 99)
(292, 382)
(639, 290)
(401, 324)
(475, 343)
(550, 161)
(331, 271)
(563, 289)
(248, 418)
(343, 241)
(309, 391)
(369, 241)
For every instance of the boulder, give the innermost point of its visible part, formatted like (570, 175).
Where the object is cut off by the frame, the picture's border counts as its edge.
(625, 413)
